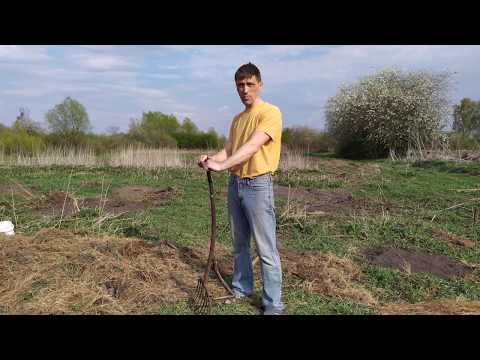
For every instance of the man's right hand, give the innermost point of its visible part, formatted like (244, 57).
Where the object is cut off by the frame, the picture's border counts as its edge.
(201, 162)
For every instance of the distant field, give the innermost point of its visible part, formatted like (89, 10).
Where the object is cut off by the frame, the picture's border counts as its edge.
(356, 237)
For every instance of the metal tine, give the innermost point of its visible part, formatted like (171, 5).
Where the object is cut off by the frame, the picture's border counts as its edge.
(201, 299)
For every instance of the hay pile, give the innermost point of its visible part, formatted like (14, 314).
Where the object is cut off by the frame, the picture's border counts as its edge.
(56, 272)
(436, 307)
(326, 274)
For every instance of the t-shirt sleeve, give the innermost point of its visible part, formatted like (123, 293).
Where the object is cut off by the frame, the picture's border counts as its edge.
(271, 123)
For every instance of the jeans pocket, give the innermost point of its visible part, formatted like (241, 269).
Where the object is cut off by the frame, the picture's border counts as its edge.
(261, 183)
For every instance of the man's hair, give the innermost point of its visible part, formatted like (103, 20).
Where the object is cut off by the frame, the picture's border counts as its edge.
(247, 71)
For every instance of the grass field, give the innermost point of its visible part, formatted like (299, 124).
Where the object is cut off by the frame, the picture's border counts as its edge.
(356, 237)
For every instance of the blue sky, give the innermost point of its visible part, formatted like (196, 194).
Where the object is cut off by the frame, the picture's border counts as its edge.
(118, 83)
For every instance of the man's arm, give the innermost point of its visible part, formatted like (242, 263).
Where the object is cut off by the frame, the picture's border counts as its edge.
(222, 155)
(245, 152)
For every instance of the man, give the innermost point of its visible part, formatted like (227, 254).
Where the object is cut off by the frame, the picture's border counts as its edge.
(252, 154)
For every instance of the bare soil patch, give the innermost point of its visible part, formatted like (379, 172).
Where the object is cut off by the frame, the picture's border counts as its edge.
(338, 202)
(453, 239)
(18, 189)
(416, 262)
(122, 200)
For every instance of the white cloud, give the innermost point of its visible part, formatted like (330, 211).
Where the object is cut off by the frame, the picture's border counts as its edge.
(224, 108)
(165, 76)
(45, 89)
(149, 92)
(103, 62)
(23, 53)
(182, 115)
(195, 80)
(346, 63)
(98, 47)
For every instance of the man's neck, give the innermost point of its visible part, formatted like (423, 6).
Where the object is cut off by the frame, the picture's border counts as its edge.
(258, 101)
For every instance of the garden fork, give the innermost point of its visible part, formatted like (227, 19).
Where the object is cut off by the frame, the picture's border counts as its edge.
(202, 300)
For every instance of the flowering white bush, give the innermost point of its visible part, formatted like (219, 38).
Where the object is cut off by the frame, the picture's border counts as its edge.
(389, 111)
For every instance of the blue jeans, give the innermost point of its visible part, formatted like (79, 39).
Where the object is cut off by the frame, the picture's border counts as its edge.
(252, 213)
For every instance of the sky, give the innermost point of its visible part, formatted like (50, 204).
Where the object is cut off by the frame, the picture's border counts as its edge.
(117, 83)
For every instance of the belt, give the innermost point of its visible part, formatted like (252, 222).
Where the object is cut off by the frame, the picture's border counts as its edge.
(250, 177)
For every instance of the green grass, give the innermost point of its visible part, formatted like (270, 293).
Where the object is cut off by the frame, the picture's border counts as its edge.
(392, 286)
(423, 198)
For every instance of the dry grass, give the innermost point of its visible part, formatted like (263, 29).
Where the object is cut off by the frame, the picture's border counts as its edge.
(295, 159)
(137, 157)
(134, 157)
(326, 274)
(438, 153)
(52, 156)
(129, 157)
(56, 272)
(435, 307)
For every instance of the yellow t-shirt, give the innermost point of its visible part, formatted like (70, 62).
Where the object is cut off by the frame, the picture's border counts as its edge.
(262, 117)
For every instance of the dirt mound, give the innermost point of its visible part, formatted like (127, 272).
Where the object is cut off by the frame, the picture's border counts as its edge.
(453, 239)
(339, 202)
(416, 262)
(436, 307)
(123, 200)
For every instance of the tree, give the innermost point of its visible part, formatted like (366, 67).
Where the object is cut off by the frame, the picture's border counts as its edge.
(25, 122)
(20, 142)
(113, 130)
(390, 111)
(68, 121)
(154, 129)
(466, 117)
(307, 139)
(189, 127)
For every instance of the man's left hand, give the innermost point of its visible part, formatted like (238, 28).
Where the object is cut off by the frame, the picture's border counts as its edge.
(214, 165)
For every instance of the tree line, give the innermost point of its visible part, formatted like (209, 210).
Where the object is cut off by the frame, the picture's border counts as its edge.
(389, 111)
(68, 125)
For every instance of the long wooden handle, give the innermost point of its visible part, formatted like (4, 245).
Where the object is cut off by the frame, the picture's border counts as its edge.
(213, 226)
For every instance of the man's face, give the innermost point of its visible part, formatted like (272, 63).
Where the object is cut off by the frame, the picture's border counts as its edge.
(249, 90)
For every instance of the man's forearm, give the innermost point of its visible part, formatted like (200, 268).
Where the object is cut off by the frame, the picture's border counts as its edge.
(220, 156)
(245, 152)
(241, 155)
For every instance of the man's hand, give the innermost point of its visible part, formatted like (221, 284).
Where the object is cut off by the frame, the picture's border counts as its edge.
(207, 163)
(202, 162)
(214, 165)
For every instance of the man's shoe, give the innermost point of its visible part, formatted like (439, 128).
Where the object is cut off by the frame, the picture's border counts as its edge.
(235, 298)
(273, 312)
